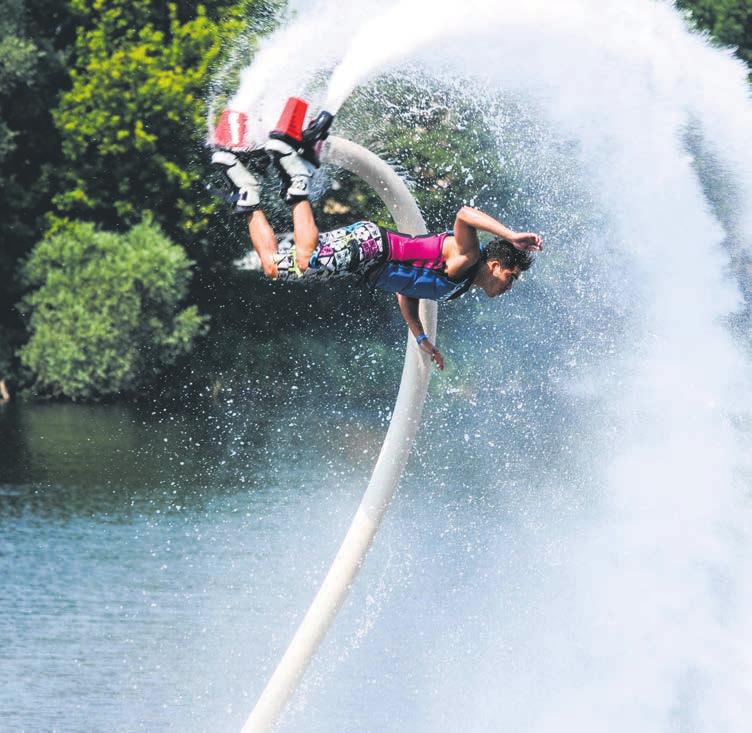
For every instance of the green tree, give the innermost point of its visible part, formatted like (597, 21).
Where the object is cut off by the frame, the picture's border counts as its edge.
(729, 21)
(104, 311)
(33, 37)
(18, 59)
(134, 119)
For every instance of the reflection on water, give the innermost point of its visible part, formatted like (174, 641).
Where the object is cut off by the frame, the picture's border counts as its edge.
(153, 563)
(61, 460)
(138, 546)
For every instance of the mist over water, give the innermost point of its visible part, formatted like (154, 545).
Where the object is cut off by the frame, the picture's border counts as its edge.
(571, 546)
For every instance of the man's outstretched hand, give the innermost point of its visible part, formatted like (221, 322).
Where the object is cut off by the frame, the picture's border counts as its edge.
(436, 356)
(527, 242)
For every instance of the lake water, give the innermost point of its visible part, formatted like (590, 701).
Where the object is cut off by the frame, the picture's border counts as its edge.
(147, 558)
(154, 563)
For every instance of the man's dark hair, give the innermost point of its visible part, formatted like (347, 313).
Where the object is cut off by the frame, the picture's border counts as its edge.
(509, 256)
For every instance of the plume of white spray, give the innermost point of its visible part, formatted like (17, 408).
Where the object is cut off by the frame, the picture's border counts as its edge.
(290, 59)
(646, 617)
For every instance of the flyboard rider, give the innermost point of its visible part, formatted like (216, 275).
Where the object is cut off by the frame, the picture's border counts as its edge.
(440, 266)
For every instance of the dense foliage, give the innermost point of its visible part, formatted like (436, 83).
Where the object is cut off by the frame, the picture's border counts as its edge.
(132, 119)
(728, 21)
(102, 120)
(104, 313)
(33, 34)
(33, 37)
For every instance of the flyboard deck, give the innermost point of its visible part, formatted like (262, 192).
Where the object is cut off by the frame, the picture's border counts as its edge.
(233, 131)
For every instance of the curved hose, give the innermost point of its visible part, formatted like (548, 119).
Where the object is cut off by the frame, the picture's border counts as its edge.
(389, 466)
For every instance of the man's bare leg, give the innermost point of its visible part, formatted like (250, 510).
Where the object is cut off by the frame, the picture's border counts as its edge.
(305, 232)
(264, 241)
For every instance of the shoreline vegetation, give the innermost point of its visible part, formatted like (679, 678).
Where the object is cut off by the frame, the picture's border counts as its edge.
(118, 268)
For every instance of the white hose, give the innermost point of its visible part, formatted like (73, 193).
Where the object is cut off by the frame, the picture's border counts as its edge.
(389, 466)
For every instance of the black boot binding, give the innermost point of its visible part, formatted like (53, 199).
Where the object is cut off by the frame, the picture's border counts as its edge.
(316, 132)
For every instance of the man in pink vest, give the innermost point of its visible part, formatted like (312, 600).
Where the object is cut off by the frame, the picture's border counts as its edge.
(435, 266)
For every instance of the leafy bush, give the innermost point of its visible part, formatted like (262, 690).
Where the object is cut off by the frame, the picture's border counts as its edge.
(134, 116)
(104, 315)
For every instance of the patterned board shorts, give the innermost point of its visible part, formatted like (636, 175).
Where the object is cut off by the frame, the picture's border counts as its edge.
(354, 250)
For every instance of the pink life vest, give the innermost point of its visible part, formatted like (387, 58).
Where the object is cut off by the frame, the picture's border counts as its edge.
(416, 266)
(422, 251)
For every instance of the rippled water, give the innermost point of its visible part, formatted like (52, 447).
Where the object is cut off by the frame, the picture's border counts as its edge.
(151, 564)
(154, 564)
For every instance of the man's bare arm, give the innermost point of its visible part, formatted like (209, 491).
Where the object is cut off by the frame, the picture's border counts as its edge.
(409, 309)
(469, 221)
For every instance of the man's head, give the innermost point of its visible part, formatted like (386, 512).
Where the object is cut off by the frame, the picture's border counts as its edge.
(503, 264)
